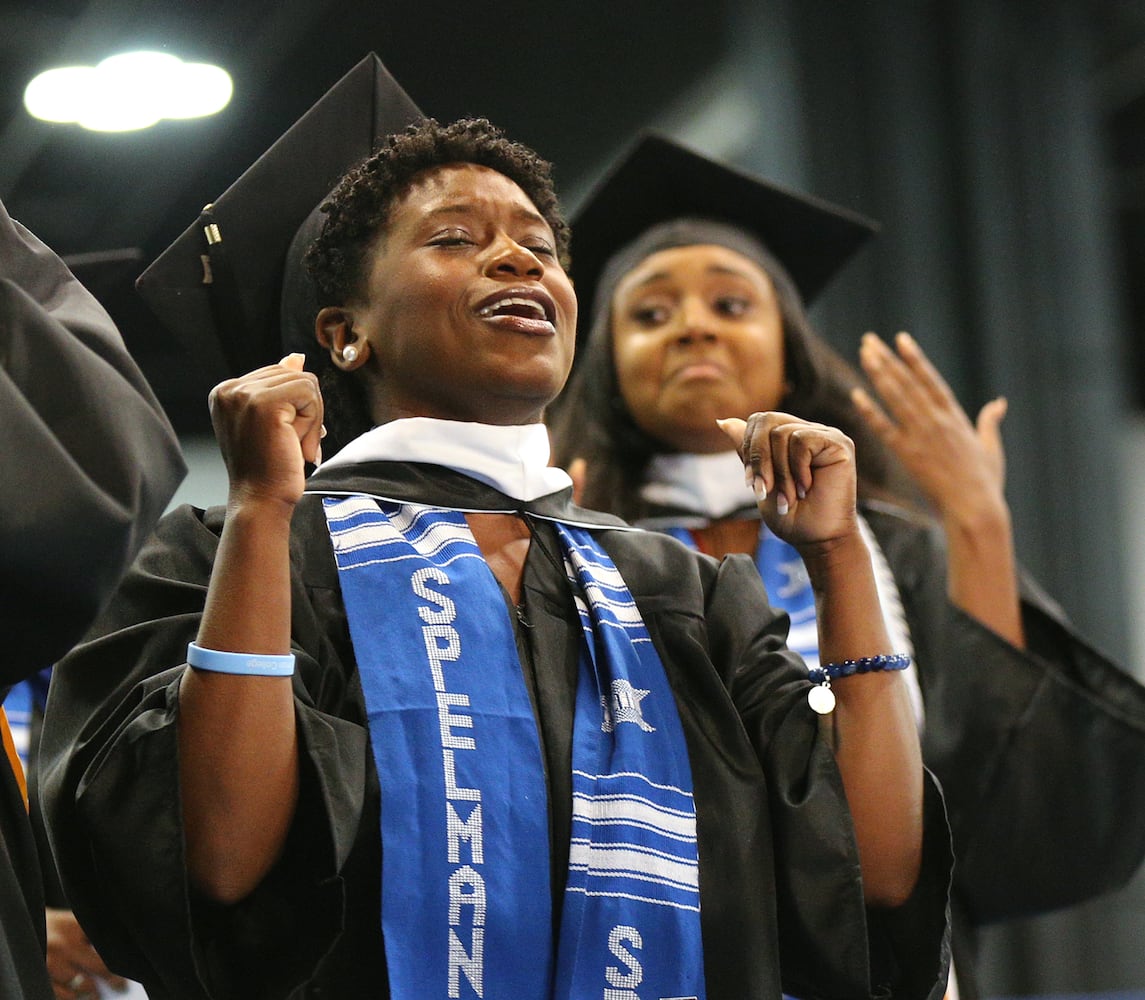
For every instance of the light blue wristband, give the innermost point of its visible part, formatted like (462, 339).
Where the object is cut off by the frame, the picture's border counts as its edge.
(253, 664)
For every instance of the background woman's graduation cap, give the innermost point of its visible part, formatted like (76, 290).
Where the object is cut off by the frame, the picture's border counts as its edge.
(219, 286)
(659, 180)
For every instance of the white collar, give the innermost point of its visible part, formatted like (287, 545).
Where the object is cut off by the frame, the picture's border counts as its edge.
(514, 460)
(709, 485)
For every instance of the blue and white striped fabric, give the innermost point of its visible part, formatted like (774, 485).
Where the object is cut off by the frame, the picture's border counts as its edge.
(789, 589)
(466, 902)
(629, 844)
(633, 865)
(466, 893)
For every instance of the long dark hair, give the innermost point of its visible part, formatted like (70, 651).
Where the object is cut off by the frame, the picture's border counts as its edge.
(591, 421)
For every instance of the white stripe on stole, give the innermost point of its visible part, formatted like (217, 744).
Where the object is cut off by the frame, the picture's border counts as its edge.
(606, 809)
(428, 544)
(625, 612)
(402, 518)
(364, 559)
(370, 541)
(636, 862)
(606, 575)
(339, 510)
(602, 583)
(654, 900)
(631, 810)
(629, 629)
(625, 615)
(413, 529)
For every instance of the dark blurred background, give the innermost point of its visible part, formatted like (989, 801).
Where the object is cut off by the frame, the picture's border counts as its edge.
(1000, 142)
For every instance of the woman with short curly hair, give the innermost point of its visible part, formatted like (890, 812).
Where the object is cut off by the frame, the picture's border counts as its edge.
(416, 725)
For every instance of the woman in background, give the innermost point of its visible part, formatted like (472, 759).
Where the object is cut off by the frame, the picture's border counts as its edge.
(693, 279)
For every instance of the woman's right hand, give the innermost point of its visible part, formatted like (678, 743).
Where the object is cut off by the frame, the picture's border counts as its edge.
(804, 475)
(268, 424)
(238, 740)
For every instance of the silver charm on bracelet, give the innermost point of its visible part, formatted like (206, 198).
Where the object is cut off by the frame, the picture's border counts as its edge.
(821, 698)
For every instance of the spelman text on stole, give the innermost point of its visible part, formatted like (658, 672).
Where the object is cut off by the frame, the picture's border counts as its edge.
(466, 886)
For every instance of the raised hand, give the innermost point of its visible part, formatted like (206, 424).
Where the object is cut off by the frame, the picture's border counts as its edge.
(268, 424)
(238, 759)
(803, 474)
(960, 467)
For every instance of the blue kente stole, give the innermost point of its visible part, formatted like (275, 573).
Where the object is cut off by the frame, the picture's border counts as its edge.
(788, 587)
(466, 896)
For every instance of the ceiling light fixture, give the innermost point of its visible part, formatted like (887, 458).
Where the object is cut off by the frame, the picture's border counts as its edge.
(130, 91)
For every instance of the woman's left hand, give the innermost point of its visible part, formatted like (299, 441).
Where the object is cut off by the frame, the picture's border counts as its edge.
(803, 474)
(959, 466)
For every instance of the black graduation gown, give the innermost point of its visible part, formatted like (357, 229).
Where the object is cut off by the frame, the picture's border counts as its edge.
(90, 461)
(779, 874)
(1040, 752)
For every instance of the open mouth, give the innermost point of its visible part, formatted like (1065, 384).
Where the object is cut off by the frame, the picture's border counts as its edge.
(526, 313)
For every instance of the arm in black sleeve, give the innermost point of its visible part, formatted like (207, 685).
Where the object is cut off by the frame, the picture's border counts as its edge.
(109, 770)
(1040, 745)
(781, 885)
(831, 942)
(90, 458)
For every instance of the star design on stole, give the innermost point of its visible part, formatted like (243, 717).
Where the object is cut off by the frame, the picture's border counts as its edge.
(624, 706)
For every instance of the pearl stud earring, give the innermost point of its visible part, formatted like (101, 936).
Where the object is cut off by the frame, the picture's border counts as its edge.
(350, 354)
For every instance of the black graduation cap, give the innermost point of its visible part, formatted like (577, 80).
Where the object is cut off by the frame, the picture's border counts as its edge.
(218, 287)
(659, 180)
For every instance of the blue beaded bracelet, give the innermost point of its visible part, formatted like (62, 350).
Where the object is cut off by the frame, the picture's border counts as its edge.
(251, 664)
(863, 665)
(822, 699)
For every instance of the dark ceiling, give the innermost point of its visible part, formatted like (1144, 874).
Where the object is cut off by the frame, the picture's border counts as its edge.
(552, 76)
(572, 79)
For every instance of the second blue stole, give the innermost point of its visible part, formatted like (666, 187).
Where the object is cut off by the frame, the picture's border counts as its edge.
(788, 587)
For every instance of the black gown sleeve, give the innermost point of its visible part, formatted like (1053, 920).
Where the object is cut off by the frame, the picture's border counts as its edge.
(831, 943)
(90, 459)
(1043, 746)
(89, 463)
(109, 766)
(781, 887)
